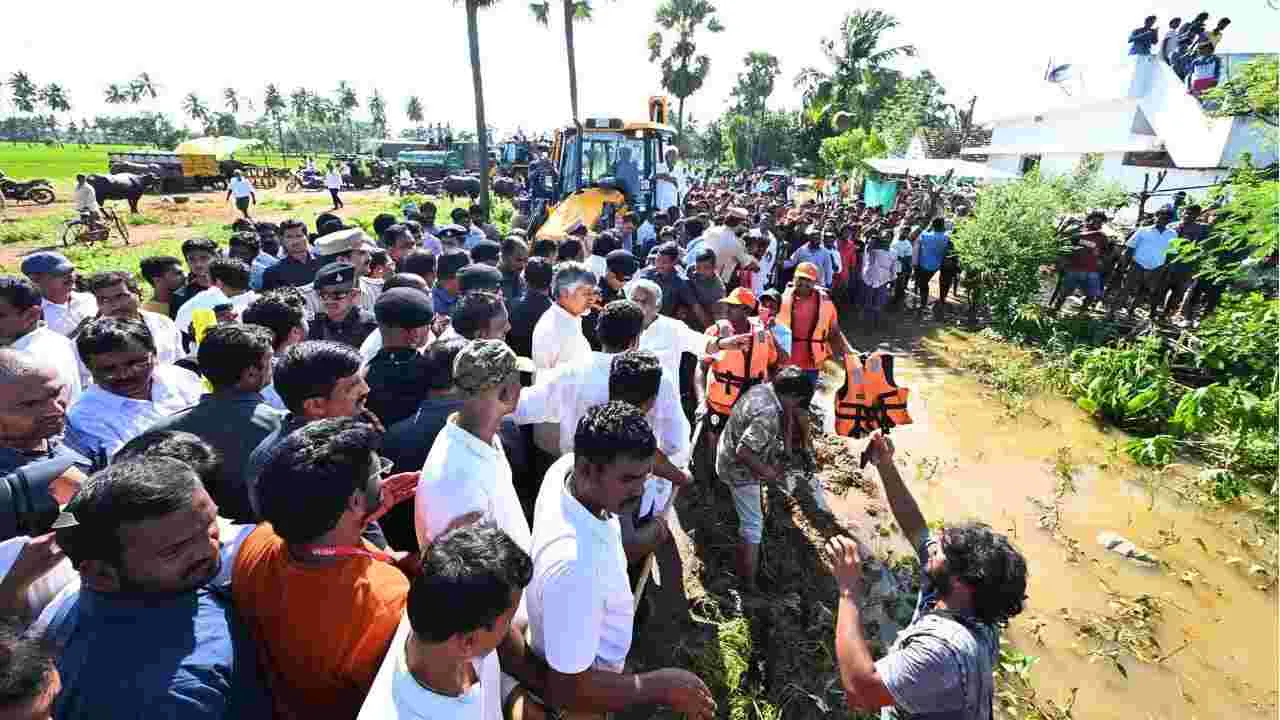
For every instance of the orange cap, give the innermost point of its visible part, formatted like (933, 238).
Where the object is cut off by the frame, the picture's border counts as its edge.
(740, 296)
(807, 270)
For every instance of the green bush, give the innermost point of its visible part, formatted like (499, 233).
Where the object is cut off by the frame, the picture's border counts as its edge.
(1240, 339)
(1129, 385)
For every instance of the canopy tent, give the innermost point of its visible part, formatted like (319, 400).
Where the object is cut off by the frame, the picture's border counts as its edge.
(219, 147)
(939, 167)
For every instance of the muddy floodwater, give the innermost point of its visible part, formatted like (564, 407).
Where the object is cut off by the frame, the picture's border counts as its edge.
(968, 456)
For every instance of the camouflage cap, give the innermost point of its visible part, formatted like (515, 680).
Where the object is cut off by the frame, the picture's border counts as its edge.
(484, 364)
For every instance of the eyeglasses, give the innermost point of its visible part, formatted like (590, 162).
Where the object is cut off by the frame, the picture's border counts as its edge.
(335, 296)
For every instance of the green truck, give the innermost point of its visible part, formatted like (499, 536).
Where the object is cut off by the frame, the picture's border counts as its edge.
(431, 164)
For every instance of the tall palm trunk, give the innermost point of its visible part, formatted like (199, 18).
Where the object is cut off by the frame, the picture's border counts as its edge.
(473, 36)
(680, 118)
(573, 63)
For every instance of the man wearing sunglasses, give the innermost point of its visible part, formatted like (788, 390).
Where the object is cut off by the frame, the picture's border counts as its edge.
(340, 320)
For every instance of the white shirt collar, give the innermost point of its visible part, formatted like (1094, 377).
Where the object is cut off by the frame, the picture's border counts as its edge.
(459, 435)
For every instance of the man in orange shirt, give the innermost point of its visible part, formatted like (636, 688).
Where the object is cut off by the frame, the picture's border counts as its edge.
(322, 603)
(811, 316)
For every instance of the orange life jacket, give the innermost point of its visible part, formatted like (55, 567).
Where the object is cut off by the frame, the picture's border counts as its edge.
(870, 400)
(826, 320)
(735, 371)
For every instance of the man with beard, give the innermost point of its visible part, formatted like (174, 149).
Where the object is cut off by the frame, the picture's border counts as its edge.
(144, 536)
(131, 389)
(308, 566)
(37, 472)
(972, 582)
(581, 607)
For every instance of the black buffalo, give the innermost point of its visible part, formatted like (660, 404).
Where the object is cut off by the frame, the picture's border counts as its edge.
(122, 186)
(455, 185)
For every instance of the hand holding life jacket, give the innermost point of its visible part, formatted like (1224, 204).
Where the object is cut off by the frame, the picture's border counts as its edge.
(870, 400)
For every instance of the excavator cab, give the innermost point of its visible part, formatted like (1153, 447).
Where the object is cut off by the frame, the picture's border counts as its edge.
(603, 167)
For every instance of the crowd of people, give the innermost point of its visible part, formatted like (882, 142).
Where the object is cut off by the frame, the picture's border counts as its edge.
(426, 472)
(1188, 48)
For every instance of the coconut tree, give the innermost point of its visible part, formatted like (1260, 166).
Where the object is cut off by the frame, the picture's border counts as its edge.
(273, 105)
(24, 92)
(378, 113)
(573, 10)
(231, 99)
(54, 97)
(858, 79)
(346, 103)
(413, 111)
(473, 38)
(300, 107)
(195, 109)
(143, 86)
(116, 94)
(683, 70)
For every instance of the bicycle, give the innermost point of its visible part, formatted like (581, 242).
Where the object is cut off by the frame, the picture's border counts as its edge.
(83, 229)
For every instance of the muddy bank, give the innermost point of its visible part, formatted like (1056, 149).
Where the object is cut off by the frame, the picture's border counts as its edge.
(1187, 630)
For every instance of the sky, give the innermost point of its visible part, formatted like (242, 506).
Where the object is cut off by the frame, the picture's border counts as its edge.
(996, 51)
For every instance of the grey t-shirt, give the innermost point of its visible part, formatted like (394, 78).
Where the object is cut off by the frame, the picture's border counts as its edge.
(940, 667)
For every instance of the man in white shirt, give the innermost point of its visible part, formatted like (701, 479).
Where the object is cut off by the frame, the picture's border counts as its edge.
(667, 337)
(557, 336)
(118, 296)
(242, 190)
(333, 182)
(131, 391)
(565, 394)
(466, 470)
(230, 287)
(62, 308)
(22, 329)
(443, 660)
(1147, 248)
(813, 251)
(84, 199)
(726, 242)
(672, 182)
(581, 607)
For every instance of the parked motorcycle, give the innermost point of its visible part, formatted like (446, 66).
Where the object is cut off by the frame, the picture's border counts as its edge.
(304, 180)
(36, 190)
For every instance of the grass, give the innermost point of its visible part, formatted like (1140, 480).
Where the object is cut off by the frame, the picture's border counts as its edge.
(45, 229)
(58, 165)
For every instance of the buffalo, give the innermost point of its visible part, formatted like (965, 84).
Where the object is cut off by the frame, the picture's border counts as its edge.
(455, 185)
(122, 186)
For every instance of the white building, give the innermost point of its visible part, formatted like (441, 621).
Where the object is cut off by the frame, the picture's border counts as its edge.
(1138, 116)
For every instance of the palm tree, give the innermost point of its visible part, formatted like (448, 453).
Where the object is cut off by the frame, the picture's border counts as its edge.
(116, 95)
(54, 97)
(231, 99)
(195, 109)
(473, 39)
(348, 102)
(573, 10)
(413, 111)
(378, 113)
(273, 104)
(143, 86)
(25, 94)
(859, 79)
(682, 72)
(300, 106)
